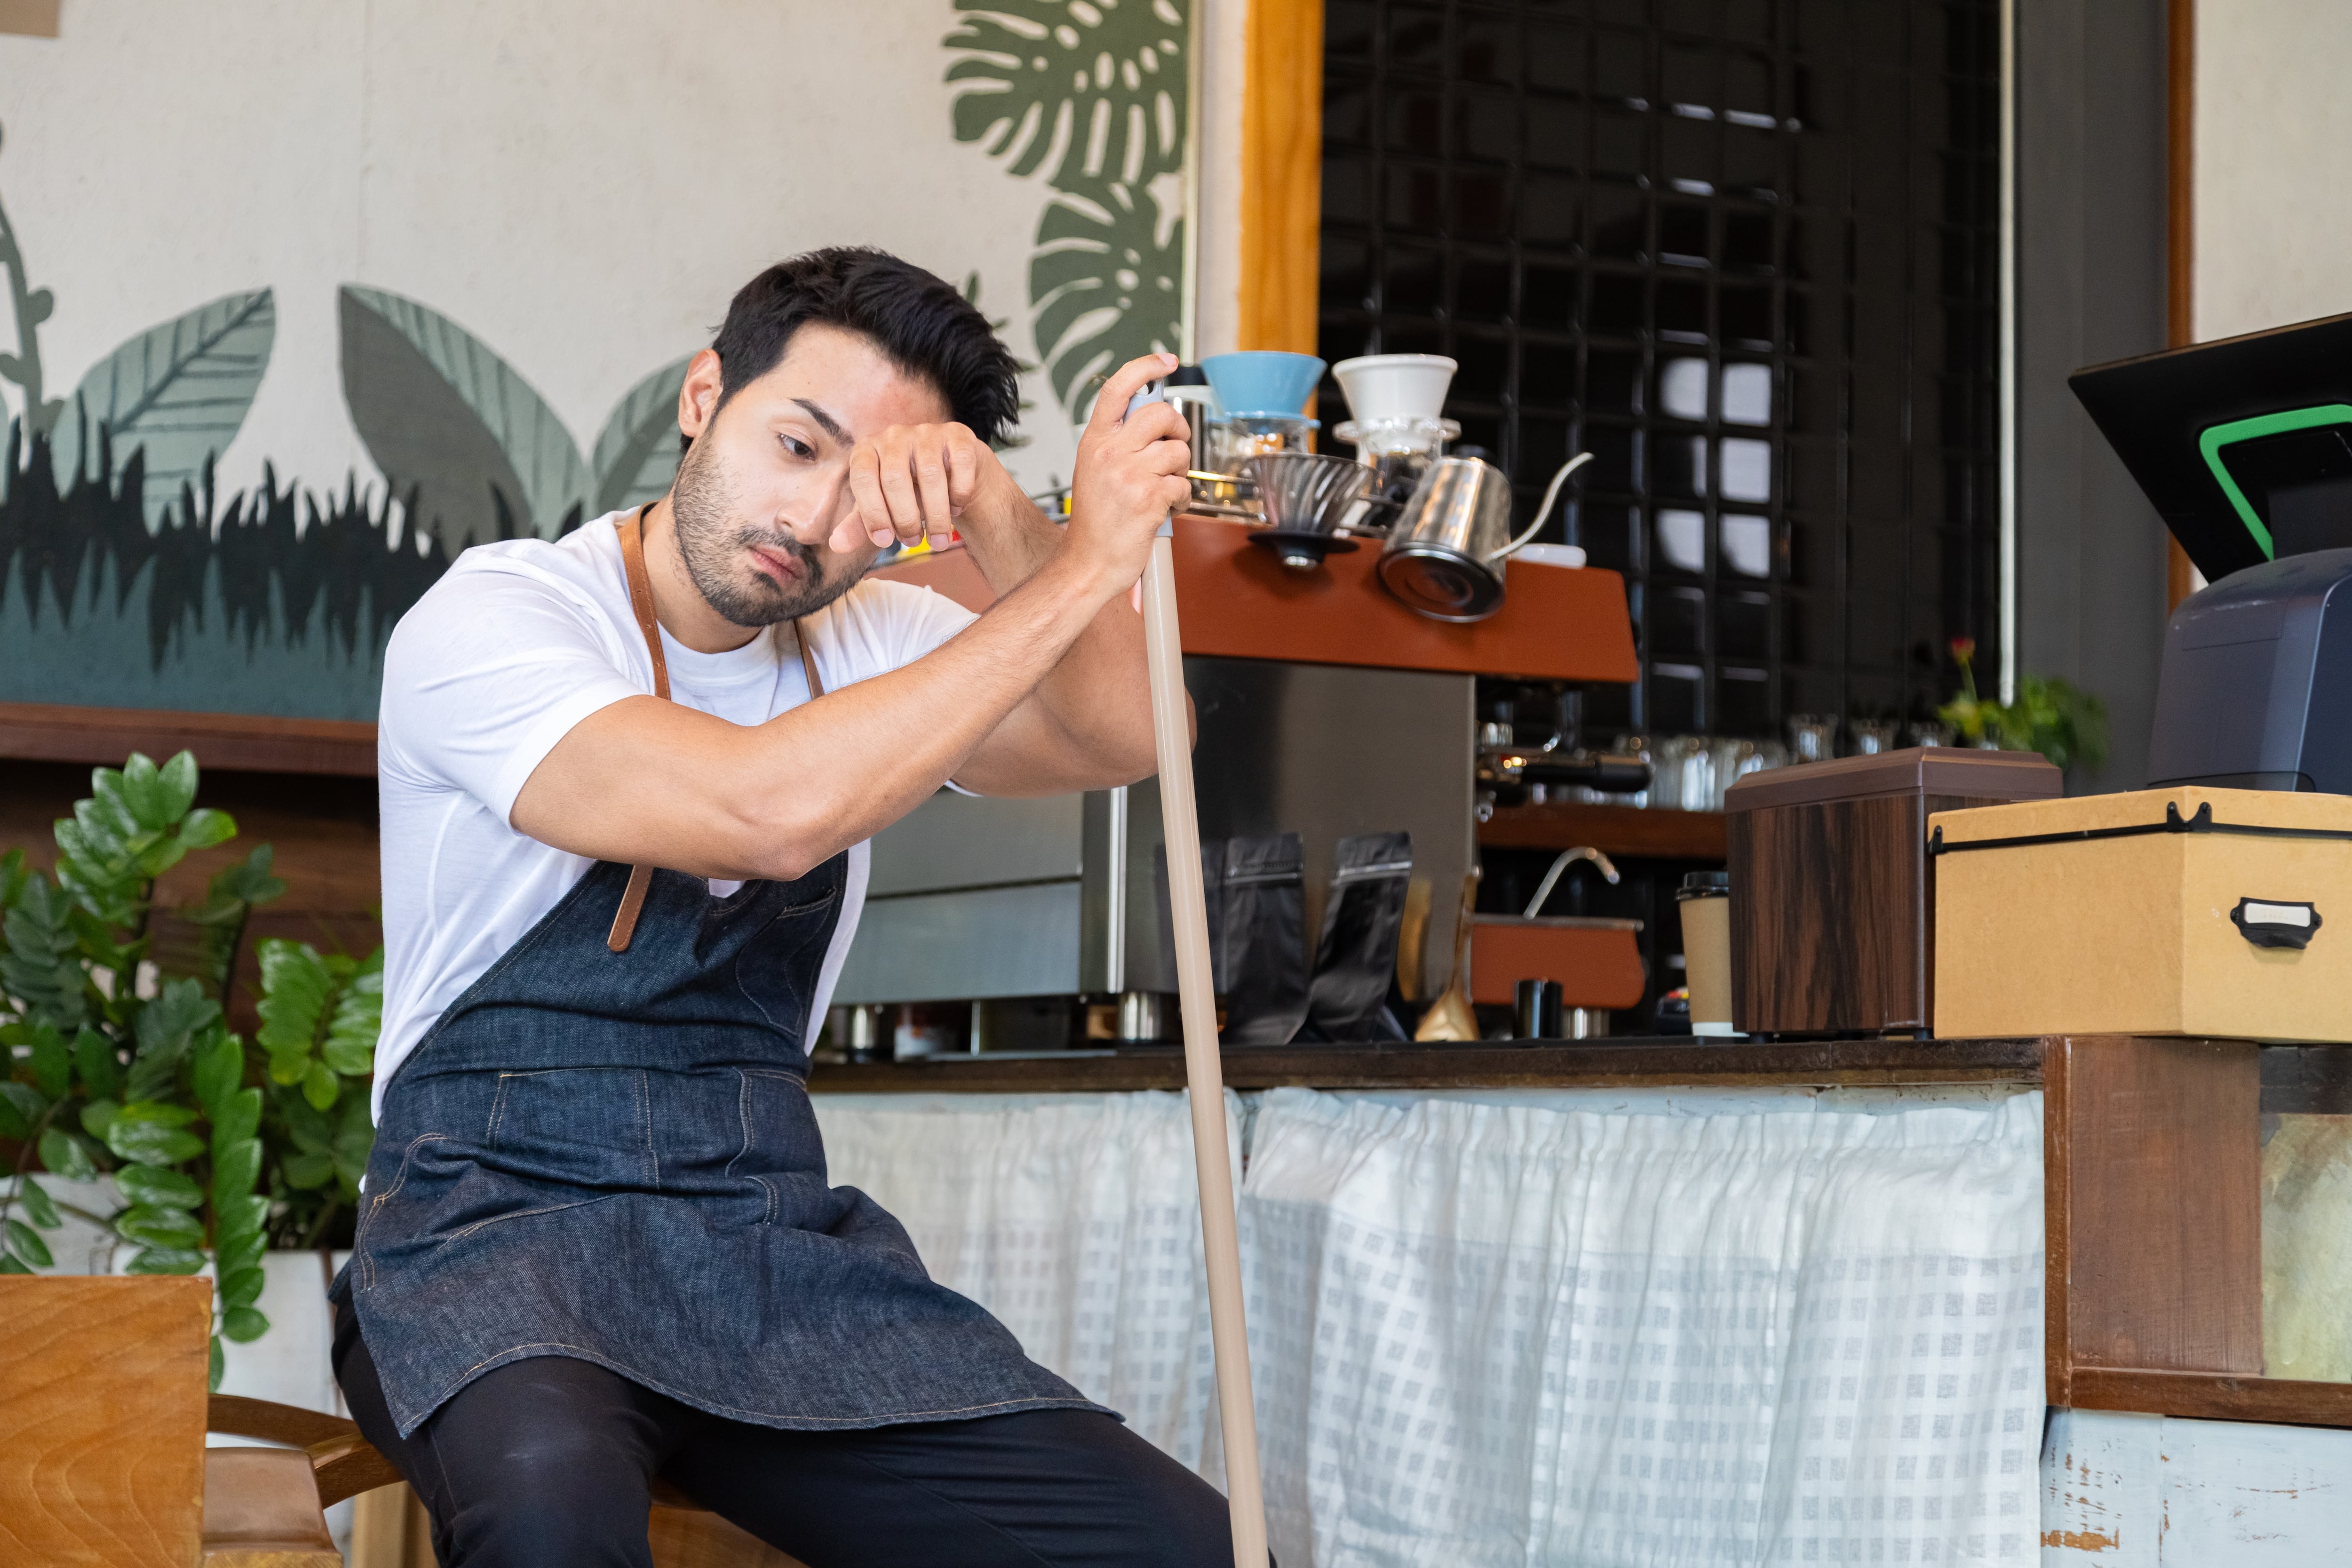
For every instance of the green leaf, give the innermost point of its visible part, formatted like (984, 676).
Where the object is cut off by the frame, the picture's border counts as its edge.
(149, 1142)
(250, 881)
(320, 1086)
(97, 1116)
(235, 1219)
(65, 1158)
(39, 1208)
(243, 1324)
(308, 1171)
(8, 1265)
(242, 1287)
(171, 1018)
(205, 828)
(220, 1068)
(1105, 280)
(295, 986)
(219, 1364)
(236, 1168)
(309, 1130)
(148, 1226)
(151, 1077)
(93, 1056)
(145, 1184)
(239, 1117)
(635, 457)
(436, 409)
(144, 794)
(51, 1059)
(166, 1260)
(27, 1246)
(177, 782)
(243, 1251)
(27, 1102)
(351, 1057)
(177, 392)
(40, 965)
(158, 1111)
(1031, 68)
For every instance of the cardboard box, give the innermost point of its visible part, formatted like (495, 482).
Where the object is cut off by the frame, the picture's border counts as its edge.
(2213, 912)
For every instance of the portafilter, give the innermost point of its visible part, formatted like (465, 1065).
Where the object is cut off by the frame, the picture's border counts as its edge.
(1445, 551)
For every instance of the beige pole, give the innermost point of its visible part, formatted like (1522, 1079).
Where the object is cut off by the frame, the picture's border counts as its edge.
(1205, 1074)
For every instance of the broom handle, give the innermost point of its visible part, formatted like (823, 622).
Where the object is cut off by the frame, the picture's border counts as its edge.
(1203, 1071)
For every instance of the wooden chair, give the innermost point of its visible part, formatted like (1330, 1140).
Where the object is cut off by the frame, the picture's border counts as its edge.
(103, 1462)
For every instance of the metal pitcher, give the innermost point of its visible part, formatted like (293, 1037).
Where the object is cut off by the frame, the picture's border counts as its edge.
(1445, 552)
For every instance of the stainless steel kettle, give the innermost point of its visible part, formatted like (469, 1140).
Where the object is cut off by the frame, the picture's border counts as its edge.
(1445, 552)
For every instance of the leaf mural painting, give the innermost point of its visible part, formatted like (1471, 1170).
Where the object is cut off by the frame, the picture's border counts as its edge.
(445, 416)
(1107, 285)
(176, 392)
(637, 454)
(1092, 92)
(1097, 89)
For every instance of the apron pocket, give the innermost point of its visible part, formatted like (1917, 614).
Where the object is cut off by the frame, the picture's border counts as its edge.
(782, 1153)
(592, 1126)
(777, 969)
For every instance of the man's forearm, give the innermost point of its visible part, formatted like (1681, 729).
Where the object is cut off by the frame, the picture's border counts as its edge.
(652, 781)
(1097, 698)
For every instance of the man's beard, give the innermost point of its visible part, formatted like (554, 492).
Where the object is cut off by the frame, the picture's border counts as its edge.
(711, 540)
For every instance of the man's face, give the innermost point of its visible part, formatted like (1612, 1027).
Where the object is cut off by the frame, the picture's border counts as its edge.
(768, 477)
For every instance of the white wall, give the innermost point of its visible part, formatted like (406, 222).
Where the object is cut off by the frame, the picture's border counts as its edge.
(2273, 124)
(1223, 25)
(582, 184)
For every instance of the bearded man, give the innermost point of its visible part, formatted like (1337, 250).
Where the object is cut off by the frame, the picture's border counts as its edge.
(628, 779)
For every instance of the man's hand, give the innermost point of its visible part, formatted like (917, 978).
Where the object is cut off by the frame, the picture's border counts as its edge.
(913, 481)
(1129, 474)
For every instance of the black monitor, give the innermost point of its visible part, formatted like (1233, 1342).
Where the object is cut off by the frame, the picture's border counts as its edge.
(2244, 445)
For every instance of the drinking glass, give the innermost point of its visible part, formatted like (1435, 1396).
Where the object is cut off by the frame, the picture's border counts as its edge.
(1871, 736)
(1813, 738)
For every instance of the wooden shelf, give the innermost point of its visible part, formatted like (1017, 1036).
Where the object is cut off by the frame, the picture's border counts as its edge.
(53, 732)
(1612, 829)
(1237, 601)
(1598, 1064)
(2211, 1396)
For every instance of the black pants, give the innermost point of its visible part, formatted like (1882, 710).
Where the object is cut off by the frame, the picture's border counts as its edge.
(548, 1461)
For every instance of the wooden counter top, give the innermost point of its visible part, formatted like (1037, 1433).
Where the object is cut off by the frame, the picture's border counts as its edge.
(1600, 1064)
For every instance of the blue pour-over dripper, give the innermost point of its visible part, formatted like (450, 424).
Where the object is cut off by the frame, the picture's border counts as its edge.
(1263, 381)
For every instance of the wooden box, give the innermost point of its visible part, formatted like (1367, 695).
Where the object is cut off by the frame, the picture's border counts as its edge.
(1832, 918)
(2175, 911)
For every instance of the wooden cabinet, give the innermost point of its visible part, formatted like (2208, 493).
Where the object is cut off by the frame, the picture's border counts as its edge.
(1832, 915)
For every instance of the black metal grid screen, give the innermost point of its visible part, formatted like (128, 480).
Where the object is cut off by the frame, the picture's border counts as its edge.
(1744, 252)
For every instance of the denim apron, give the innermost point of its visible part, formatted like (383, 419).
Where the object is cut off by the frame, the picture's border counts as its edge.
(604, 1149)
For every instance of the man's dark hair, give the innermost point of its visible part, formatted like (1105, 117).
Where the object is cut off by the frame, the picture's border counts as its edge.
(920, 322)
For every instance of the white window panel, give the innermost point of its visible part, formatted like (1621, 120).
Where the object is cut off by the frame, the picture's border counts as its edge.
(1682, 388)
(1746, 543)
(1682, 538)
(1746, 469)
(1747, 395)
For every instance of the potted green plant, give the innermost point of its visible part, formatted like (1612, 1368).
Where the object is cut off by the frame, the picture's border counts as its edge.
(122, 1073)
(2052, 717)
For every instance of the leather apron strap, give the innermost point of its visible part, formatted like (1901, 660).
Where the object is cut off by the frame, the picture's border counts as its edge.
(641, 605)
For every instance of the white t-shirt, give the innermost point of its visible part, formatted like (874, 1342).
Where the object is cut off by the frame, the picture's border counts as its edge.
(517, 643)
